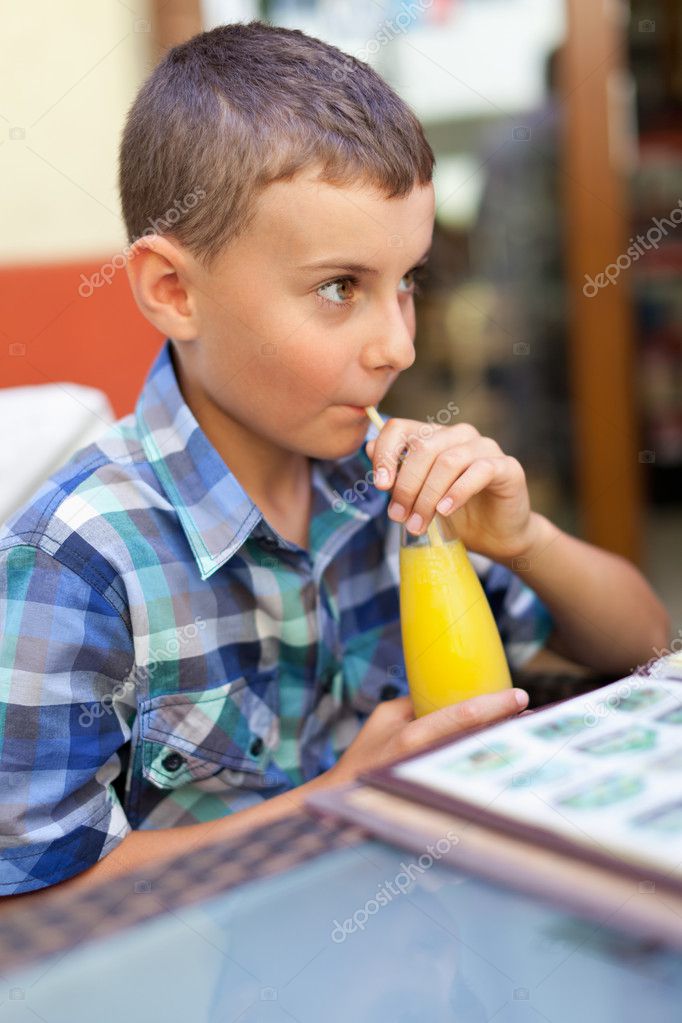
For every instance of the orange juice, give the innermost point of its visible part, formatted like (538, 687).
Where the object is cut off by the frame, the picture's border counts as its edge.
(450, 640)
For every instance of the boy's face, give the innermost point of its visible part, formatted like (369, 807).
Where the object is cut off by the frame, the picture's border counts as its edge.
(293, 351)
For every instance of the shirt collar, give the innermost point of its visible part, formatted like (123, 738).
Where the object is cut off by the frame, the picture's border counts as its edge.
(214, 510)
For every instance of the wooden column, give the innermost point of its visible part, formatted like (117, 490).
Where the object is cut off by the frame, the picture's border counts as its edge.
(606, 433)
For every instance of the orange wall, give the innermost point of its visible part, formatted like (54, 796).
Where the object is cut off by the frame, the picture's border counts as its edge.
(50, 333)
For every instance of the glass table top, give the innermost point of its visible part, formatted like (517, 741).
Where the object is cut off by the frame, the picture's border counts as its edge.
(358, 934)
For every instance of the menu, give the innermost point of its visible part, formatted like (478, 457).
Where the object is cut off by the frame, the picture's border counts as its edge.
(603, 770)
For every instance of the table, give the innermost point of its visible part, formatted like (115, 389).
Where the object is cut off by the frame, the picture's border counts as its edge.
(274, 948)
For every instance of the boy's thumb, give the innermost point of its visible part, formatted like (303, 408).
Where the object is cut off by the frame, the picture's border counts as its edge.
(399, 708)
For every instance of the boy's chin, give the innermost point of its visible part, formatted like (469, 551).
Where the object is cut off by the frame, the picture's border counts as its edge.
(340, 443)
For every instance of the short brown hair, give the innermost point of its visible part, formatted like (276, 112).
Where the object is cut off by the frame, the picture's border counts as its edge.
(237, 108)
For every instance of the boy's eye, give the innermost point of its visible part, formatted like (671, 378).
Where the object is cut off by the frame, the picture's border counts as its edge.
(416, 277)
(411, 278)
(340, 291)
(332, 290)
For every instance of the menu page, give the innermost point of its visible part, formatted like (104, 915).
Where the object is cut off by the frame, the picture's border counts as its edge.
(603, 769)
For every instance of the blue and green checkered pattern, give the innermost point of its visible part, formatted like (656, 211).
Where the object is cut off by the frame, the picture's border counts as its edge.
(166, 657)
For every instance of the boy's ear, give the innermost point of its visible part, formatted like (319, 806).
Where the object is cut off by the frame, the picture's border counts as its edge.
(159, 275)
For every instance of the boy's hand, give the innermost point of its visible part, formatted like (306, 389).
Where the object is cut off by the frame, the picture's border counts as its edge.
(460, 474)
(392, 732)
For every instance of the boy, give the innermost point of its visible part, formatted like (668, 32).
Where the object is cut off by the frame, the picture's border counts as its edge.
(199, 615)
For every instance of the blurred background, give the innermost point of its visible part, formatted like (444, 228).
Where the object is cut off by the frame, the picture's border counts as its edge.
(552, 316)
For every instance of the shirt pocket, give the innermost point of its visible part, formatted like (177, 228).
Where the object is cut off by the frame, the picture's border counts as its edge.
(232, 728)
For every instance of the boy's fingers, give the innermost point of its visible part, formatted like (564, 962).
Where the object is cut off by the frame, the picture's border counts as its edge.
(384, 466)
(472, 713)
(426, 478)
(409, 435)
(397, 436)
(447, 476)
(481, 474)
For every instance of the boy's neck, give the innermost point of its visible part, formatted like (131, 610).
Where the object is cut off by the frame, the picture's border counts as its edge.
(277, 481)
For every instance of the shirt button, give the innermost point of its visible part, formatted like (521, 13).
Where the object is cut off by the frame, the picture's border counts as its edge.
(256, 747)
(173, 762)
(388, 692)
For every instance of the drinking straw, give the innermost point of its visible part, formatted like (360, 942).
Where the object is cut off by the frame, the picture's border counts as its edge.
(433, 531)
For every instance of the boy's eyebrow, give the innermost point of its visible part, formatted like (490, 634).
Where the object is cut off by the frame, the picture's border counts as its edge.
(354, 268)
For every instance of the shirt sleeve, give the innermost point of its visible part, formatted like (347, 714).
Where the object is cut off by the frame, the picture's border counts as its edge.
(65, 708)
(524, 622)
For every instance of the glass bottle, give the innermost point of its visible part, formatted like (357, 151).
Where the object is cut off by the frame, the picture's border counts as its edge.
(451, 643)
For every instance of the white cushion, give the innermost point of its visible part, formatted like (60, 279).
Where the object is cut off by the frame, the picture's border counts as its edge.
(41, 427)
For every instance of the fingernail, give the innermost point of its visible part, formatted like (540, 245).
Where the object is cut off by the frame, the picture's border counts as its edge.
(396, 511)
(521, 697)
(414, 523)
(445, 505)
(382, 477)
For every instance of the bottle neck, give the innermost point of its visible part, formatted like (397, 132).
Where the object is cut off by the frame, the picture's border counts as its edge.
(446, 531)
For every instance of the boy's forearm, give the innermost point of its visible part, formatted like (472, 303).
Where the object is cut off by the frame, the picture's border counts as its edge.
(140, 850)
(607, 615)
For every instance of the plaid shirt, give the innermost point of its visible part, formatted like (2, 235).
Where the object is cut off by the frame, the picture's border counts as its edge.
(167, 658)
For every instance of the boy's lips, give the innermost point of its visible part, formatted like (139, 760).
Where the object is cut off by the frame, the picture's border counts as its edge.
(360, 409)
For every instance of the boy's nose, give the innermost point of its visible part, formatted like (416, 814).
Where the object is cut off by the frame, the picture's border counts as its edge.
(391, 344)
